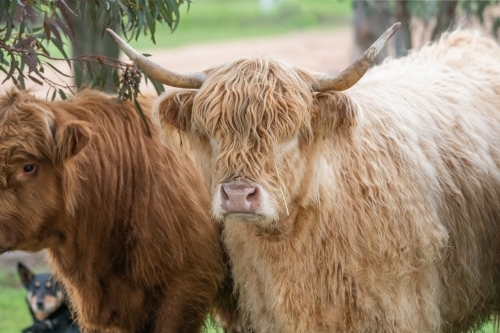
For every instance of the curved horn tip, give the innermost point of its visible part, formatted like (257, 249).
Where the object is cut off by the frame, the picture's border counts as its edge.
(351, 75)
(112, 34)
(395, 26)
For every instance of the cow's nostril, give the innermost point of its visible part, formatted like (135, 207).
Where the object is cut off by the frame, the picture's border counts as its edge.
(223, 193)
(252, 195)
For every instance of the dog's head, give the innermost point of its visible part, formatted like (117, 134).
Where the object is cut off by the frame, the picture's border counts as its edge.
(45, 295)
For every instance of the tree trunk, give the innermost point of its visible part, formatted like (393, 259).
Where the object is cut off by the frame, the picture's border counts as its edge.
(445, 17)
(371, 19)
(89, 40)
(403, 37)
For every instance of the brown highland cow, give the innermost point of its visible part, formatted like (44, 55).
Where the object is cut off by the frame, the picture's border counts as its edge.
(125, 221)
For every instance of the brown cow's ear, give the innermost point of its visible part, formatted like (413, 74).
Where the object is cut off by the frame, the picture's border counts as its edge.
(335, 114)
(172, 114)
(70, 139)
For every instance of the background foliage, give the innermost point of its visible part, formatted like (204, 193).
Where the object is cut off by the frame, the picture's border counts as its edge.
(31, 29)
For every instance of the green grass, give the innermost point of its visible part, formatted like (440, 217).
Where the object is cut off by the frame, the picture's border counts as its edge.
(216, 20)
(14, 313)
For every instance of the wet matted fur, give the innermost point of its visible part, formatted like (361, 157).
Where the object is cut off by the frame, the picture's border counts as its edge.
(124, 219)
(379, 206)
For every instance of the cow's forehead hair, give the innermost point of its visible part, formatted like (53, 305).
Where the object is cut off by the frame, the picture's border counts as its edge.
(26, 125)
(254, 96)
(16, 105)
(250, 107)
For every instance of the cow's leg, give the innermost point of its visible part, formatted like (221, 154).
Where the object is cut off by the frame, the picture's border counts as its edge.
(187, 316)
(182, 311)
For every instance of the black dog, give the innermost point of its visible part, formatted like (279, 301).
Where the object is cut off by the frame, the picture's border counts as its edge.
(47, 303)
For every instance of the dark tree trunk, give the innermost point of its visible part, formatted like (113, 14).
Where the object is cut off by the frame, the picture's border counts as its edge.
(403, 37)
(445, 17)
(89, 40)
(371, 19)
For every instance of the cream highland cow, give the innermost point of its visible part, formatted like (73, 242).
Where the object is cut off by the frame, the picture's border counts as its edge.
(370, 206)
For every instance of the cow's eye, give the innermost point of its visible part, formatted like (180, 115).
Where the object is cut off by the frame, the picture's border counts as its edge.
(29, 168)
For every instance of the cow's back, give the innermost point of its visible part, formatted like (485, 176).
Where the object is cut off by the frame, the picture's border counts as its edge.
(435, 124)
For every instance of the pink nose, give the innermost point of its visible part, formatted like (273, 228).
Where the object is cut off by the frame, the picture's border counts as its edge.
(240, 197)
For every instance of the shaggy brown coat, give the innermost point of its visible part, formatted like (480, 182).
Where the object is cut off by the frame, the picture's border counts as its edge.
(379, 206)
(124, 219)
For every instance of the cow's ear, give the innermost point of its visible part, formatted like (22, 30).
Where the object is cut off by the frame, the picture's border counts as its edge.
(335, 114)
(174, 109)
(25, 274)
(172, 114)
(70, 139)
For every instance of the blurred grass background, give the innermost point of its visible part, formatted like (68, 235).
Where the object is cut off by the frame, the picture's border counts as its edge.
(14, 313)
(220, 20)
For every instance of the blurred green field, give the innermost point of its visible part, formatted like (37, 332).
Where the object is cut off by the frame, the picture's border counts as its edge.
(14, 313)
(217, 20)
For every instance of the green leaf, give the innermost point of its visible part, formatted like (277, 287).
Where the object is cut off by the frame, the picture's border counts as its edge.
(116, 77)
(60, 47)
(32, 78)
(64, 11)
(90, 71)
(157, 85)
(62, 94)
(173, 7)
(57, 70)
(78, 75)
(13, 67)
(140, 23)
(103, 74)
(143, 116)
(151, 24)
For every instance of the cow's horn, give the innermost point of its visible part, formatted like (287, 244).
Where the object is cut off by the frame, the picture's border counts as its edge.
(174, 79)
(356, 70)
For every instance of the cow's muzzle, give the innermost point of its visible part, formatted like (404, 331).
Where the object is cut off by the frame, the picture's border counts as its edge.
(240, 197)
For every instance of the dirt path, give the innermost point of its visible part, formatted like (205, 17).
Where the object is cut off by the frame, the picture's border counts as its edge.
(325, 51)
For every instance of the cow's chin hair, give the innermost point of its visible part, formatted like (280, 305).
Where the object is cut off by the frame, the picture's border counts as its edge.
(243, 217)
(265, 223)
(7, 241)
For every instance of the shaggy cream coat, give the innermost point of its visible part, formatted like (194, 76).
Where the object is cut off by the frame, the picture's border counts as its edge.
(382, 205)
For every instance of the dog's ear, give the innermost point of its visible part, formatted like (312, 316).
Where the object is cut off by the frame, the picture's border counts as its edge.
(25, 274)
